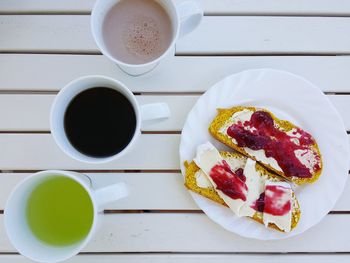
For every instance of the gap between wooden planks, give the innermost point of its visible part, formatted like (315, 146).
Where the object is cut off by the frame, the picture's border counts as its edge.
(188, 257)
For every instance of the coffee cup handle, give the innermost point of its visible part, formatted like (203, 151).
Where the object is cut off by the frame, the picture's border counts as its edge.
(109, 194)
(154, 111)
(190, 14)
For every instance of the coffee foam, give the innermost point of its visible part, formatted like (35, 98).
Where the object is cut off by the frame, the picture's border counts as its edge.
(142, 37)
(137, 31)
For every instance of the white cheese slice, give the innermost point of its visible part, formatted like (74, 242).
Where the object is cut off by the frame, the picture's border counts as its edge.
(207, 157)
(295, 135)
(240, 116)
(283, 222)
(244, 115)
(261, 157)
(256, 185)
(236, 163)
(202, 180)
(308, 158)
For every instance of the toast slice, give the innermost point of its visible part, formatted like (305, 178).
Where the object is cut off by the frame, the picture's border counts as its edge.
(236, 160)
(279, 145)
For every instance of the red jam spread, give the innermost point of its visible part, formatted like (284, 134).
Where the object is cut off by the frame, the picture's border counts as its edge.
(259, 204)
(276, 143)
(272, 201)
(229, 182)
(275, 203)
(239, 173)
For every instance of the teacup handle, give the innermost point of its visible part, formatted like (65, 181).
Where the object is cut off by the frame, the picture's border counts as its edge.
(154, 111)
(190, 14)
(109, 194)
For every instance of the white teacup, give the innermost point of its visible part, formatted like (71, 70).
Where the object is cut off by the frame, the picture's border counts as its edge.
(26, 242)
(65, 96)
(185, 17)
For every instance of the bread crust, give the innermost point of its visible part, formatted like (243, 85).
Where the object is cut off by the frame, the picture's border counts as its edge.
(224, 114)
(210, 193)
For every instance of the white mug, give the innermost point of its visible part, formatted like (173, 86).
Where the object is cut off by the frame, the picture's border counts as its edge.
(64, 97)
(185, 17)
(17, 227)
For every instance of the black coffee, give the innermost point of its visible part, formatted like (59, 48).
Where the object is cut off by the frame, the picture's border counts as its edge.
(100, 122)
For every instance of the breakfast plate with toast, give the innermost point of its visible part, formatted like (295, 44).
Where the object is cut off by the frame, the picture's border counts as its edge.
(262, 153)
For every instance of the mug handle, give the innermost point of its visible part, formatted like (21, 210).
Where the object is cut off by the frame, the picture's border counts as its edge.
(154, 111)
(190, 15)
(109, 194)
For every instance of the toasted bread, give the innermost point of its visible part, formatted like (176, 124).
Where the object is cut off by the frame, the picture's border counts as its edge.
(224, 115)
(210, 192)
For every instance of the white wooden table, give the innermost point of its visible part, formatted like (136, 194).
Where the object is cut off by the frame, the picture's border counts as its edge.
(45, 44)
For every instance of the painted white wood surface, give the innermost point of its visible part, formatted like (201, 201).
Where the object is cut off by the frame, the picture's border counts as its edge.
(227, 7)
(18, 6)
(215, 35)
(39, 152)
(277, 7)
(44, 33)
(32, 112)
(185, 232)
(148, 191)
(180, 74)
(193, 258)
(176, 230)
(267, 35)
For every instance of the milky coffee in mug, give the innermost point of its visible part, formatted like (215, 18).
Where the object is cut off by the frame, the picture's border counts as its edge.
(137, 31)
(138, 34)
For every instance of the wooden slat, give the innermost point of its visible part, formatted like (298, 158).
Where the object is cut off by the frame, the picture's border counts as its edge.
(197, 233)
(215, 35)
(277, 7)
(193, 258)
(44, 6)
(46, 33)
(217, 7)
(39, 151)
(31, 112)
(25, 112)
(177, 196)
(181, 74)
(267, 35)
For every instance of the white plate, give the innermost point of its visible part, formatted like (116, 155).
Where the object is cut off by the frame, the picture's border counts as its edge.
(292, 98)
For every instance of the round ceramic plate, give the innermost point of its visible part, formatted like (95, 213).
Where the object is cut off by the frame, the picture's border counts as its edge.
(289, 97)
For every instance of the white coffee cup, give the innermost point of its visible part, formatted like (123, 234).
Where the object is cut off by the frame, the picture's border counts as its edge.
(64, 97)
(185, 17)
(17, 227)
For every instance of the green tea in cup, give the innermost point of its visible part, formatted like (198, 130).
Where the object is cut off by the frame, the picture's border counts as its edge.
(51, 215)
(59, 211)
